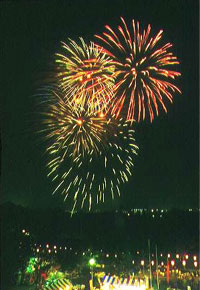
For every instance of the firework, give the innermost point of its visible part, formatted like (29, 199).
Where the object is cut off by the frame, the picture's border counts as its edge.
(85, 74)
(142, 75)
(89, 154)
(69, 131)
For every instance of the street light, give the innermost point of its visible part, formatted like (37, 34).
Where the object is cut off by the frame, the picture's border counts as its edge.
(92, 263)
(172, 263)
(195, 263)
(142, 264)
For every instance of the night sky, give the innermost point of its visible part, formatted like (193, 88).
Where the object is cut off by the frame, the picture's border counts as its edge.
(166, 169)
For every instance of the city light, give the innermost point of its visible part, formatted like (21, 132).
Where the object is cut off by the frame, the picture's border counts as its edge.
(123, 284)
(92, 262)
(172, 263)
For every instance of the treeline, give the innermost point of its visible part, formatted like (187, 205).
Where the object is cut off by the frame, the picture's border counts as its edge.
(176, 230)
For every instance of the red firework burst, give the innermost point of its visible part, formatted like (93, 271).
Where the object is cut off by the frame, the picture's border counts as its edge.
(143, 78)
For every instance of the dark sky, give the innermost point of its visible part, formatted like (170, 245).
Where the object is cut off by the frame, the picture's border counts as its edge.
(166, 170)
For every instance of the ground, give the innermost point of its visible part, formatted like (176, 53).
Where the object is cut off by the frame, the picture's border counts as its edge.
(20, 288)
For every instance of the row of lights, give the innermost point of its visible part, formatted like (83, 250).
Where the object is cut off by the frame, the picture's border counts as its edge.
(178, 256)
(152, 211)
(162, 263)
(185, 256)
(92, 262)
(153, 216)
(133, 262)
(141, 210)
(107, 255)
(135, 210)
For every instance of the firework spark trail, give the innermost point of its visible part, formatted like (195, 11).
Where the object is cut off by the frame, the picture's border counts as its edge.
(85, 74)
(90, 154)
(142, 77)
(71, 131)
